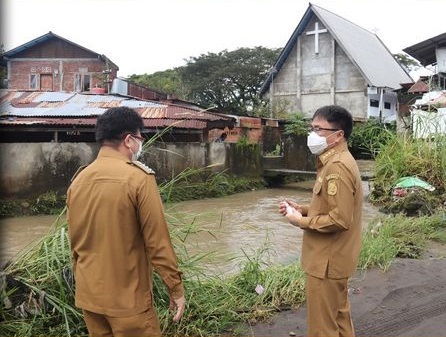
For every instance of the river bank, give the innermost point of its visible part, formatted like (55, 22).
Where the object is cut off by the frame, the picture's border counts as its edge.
(182, 188)
(186, 186)
(409, 299)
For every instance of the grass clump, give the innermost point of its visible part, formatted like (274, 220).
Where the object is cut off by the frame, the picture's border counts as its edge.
(405, 156)
(37, 295)
(388, 237)
(193, 184)
(218, 305)
(37, 290)
(50, 202)
(367, 139)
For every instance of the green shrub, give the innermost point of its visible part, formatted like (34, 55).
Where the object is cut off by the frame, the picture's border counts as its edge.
(405, 156)
(388, 237)
(296, 124)
(48, 203)
(367, 139)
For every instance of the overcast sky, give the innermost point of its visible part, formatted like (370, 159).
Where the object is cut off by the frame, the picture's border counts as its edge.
(145, 36)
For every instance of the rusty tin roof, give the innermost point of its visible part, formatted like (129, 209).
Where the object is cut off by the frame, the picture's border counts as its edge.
(74, 109)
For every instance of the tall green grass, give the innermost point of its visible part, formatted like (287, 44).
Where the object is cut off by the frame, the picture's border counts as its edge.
(405, 156)
(367, 139)
(215, 303)
(44, 271)
(397, 235)
(199, 184)
(391, 236)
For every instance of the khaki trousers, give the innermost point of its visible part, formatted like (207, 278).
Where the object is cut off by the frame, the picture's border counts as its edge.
(143, 324)
(328, 308)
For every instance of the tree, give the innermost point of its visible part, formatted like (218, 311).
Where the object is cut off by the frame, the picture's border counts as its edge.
(168, 81)
(409, 63)
(229, 81)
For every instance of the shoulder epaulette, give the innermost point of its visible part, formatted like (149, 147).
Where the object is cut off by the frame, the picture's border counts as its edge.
(79, 170)
(142, 166)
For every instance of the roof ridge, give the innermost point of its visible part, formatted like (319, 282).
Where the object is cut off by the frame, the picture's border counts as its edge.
(343, 18)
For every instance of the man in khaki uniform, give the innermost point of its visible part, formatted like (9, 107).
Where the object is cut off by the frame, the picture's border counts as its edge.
(118, 234)
(331, 224)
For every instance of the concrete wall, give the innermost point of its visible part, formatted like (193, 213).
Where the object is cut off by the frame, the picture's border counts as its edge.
(170, 159)
(297, 156)
(30, 169)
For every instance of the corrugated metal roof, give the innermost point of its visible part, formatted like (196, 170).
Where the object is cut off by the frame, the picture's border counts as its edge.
(67, 108)
(177, 123)
(419, 86)
(436, 98)
(48, 121)
(50, 96)
(27, 104)
(90, 122)
(424, 51)
(6, 95)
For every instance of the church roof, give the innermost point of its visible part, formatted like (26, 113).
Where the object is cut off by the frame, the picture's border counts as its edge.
(375, 62)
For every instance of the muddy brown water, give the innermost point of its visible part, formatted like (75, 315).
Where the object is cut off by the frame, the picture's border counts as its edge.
(228, 228)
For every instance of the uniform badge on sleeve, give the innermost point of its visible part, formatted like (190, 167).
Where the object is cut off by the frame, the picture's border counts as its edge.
(332, 188)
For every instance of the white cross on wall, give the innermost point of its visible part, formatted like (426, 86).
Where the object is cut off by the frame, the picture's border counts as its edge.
(316, 33)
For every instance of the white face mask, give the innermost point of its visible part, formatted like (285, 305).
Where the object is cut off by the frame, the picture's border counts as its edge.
(317, 144)
(136, 155)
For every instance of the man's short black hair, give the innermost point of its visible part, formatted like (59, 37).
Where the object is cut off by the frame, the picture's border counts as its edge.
(114, 123)
(338, 116)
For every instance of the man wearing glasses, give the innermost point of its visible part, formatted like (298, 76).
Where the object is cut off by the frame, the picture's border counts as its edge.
(331, 224)
(118, 234)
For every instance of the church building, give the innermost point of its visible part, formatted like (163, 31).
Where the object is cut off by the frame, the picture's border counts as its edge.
(330, 60)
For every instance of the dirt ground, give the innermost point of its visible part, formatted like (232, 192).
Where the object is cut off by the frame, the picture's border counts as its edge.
(409, 299)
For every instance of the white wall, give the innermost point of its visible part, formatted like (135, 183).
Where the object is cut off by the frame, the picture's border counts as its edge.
(388, 96)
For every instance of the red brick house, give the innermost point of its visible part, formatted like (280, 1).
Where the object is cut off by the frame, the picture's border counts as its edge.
(52, 63)
(55, 90)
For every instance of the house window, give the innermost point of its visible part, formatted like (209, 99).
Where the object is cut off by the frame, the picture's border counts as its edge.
(82, 82)
(34, 81)
(387, 105)
(374, 103)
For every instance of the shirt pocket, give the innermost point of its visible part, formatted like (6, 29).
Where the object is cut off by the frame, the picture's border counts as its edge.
(317, 187)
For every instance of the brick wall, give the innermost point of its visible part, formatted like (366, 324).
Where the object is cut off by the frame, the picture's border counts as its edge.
(60, 72)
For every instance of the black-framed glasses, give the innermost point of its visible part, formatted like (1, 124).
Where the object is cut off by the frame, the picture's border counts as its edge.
(317, 129)
(142, 139)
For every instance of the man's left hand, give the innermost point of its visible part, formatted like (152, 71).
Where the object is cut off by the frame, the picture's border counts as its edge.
(294, 217)
(178, 304)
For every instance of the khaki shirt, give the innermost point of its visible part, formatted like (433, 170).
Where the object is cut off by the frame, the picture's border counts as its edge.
(332, 221)
(118, 234)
